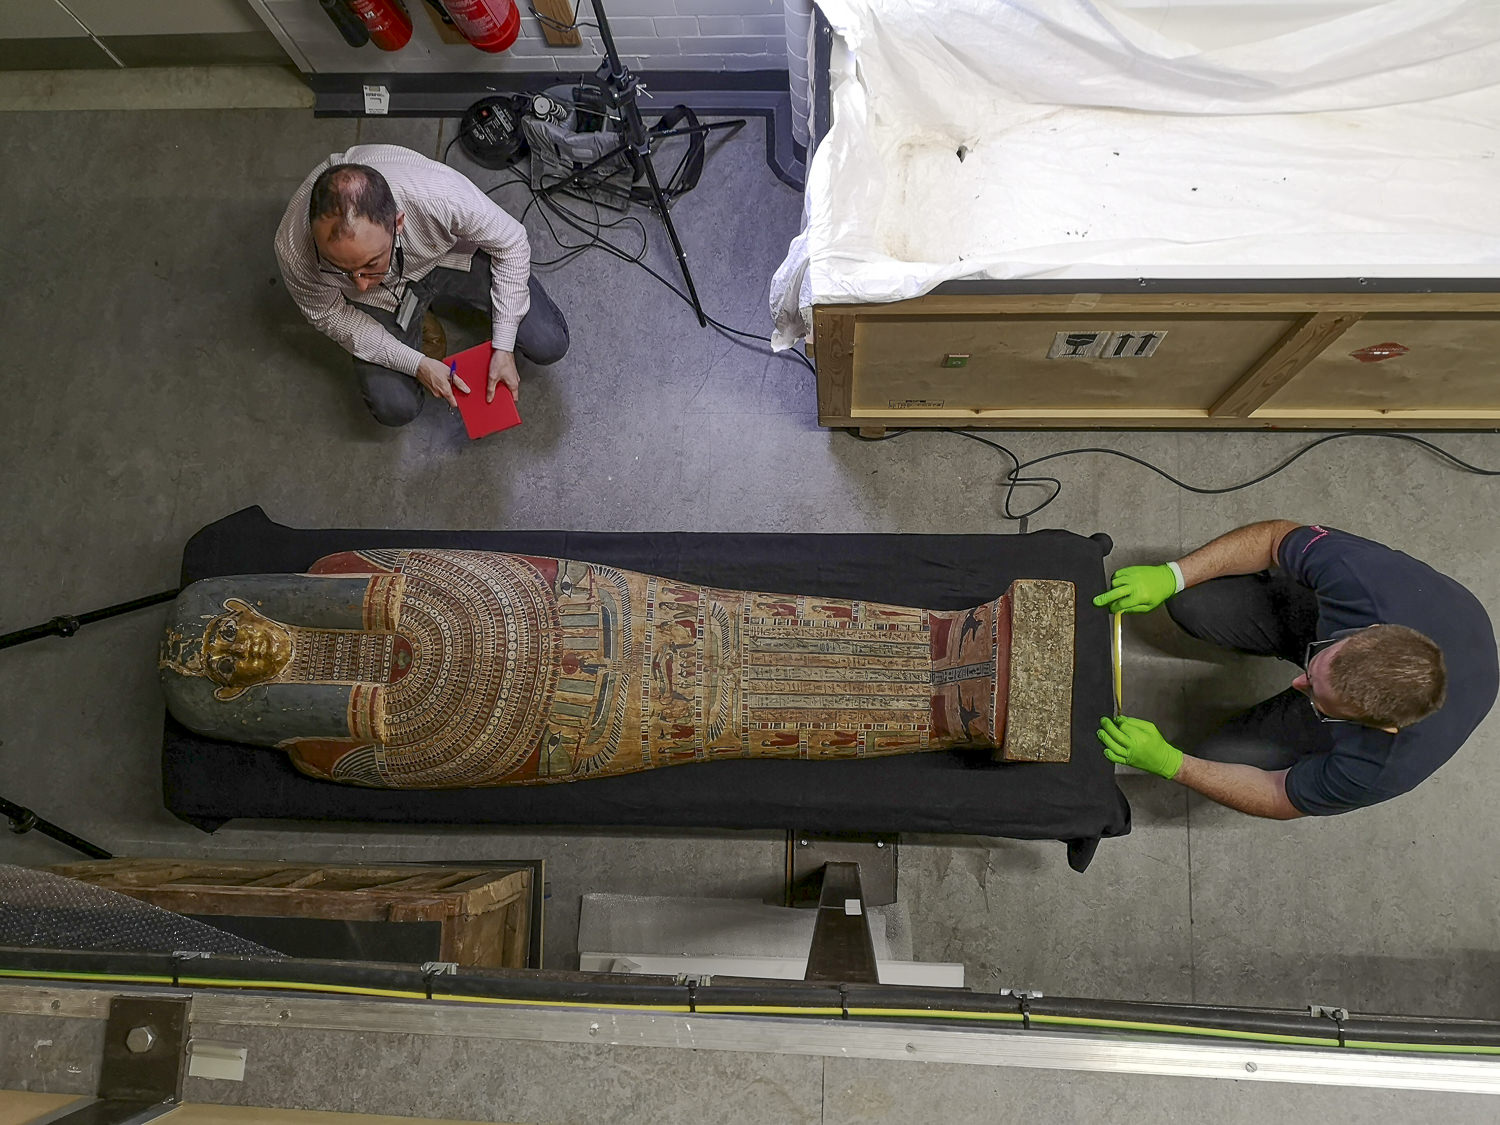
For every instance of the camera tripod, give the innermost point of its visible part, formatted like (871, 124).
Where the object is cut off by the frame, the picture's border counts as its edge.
(620, 88)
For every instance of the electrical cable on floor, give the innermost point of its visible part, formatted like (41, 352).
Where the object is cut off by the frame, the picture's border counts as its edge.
(594, 240)
(1014, 478)
(597, 242)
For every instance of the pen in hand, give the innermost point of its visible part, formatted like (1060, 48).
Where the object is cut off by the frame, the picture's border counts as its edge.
(453, 377)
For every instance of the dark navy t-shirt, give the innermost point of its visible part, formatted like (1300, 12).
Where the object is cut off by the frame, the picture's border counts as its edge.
(1361, 583)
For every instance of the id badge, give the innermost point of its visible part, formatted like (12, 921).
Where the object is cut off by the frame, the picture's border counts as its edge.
(406, 309)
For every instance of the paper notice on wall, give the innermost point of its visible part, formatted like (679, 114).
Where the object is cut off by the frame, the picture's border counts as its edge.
(377, 99)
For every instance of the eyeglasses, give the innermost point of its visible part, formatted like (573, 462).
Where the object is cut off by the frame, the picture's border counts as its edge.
(397, 262)
(1315, 647)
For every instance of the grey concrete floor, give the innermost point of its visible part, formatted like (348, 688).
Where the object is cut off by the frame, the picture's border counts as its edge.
(159, 378)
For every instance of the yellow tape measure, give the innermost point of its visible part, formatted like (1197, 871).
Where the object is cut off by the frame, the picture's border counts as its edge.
(1117, 661)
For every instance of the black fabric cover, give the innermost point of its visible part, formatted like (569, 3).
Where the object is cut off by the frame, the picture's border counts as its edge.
(207, 782)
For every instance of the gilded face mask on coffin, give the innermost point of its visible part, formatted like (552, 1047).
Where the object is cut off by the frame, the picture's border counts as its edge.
(448, 669)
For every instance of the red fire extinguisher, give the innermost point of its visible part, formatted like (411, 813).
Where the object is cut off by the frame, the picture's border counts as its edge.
(491, 25)
(387, 22)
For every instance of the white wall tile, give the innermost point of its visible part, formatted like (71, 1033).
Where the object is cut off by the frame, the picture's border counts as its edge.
(626, 8)
(738, 44)
(728, 7)
(624, 25)
(721, 25)
(705, 62)
(679, 26)
(650, 47)
(764, 25)
(526, 48)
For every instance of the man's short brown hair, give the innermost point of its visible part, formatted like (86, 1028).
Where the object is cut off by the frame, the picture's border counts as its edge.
(1390, 675)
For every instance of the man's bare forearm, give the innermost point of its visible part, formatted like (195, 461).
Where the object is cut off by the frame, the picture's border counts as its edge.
(1250, 790)
(1242, 551)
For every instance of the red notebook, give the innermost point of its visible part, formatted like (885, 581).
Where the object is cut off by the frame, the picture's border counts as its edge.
(480, 418)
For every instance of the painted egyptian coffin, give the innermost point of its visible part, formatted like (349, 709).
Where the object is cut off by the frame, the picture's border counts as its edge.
(443, 669)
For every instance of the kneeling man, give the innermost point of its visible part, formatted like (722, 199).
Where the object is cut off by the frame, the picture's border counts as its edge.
(377, 236)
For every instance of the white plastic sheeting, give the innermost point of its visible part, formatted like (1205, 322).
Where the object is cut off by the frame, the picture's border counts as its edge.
(1163, 138)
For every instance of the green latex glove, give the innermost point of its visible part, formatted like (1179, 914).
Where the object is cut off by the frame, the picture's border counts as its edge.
(1138, 589)
(1135, 742)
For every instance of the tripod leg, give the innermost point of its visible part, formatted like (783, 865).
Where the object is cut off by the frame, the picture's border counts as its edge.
(577, 177)
(709, 127)
(23, 820)
(66, 625)
(664, 209)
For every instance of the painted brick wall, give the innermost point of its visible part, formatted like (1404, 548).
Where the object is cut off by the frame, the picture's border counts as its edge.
(650, 34)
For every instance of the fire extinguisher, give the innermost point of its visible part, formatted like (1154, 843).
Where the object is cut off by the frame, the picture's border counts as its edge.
(387, 22)
(491, 25)
(350, 26)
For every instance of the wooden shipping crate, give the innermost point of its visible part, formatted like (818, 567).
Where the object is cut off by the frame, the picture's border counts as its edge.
(484, 912)
(1170, 360)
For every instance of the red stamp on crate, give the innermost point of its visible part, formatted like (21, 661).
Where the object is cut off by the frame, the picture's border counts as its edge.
(1377, 352)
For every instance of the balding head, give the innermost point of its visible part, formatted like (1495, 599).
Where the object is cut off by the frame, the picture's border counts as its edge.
(345, 194)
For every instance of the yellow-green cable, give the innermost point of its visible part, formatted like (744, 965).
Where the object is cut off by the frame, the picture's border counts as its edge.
(763, 1010)
(300, 986)
(113, 978)
(1455, 1049)
(793, 1010)
(519, 1002)
(928, 1013)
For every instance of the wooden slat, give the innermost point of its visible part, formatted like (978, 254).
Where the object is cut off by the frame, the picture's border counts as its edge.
(426, 881)
(1481, 417)
(1279, 366)
(484, 880)
(264, 902)
(517, 933)
(1032, 304)
(1264, 419)
(496, 890)
(433, 908)
(833, 347)
(557, 11)
(287, 879)
(128, 873)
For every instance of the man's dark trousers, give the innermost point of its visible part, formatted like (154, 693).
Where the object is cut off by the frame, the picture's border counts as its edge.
(395, 398)
(1261, 614)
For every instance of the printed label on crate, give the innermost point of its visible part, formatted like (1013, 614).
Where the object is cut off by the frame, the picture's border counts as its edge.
(1135, 344)
(1077, 345)
(915, 403)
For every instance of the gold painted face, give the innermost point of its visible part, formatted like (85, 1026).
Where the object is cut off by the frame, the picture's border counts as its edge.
(242, 648)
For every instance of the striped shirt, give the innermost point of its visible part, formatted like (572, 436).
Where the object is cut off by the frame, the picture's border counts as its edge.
(447, 219)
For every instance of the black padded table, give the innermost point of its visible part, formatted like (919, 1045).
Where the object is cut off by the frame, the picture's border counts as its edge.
(207, 782)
